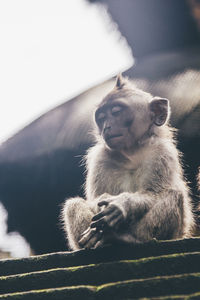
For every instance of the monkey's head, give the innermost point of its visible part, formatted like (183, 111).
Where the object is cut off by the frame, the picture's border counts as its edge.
(127, 116)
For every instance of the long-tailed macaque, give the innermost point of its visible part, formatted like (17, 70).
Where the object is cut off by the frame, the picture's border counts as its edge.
(135, 190)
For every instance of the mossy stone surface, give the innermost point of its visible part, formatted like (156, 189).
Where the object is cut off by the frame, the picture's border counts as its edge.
(154, 270)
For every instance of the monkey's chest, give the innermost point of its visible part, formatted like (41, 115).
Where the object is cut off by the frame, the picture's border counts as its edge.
(122, 181)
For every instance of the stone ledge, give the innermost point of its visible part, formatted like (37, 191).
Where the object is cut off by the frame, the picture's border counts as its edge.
(103, 273)
(157, 270)
(110, 253)
(160, 287)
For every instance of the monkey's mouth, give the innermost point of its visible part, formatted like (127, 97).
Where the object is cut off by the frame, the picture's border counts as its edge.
(113, 137)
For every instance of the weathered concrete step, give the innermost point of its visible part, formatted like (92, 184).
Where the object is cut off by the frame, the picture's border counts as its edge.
(85, 257)
(103, 273)
(187, 284)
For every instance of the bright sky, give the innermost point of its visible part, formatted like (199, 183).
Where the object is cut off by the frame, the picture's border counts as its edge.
(13, 243)
(50, 50)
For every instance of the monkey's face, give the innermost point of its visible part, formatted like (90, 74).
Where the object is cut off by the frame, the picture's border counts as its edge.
(125, 122)
(122, 122)
(113, 122)
(127, 116)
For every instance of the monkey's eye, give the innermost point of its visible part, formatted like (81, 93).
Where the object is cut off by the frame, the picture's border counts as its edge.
(100, 117)
(116, 110)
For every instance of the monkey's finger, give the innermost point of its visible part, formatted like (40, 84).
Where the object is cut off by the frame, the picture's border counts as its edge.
(99, 224)
(98, 216)
(87, 237)
(104, 212)
(86, 231)
(93, 240)
(103, 202)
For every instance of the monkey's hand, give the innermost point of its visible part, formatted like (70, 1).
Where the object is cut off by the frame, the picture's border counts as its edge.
(90, 238)
(112, 216)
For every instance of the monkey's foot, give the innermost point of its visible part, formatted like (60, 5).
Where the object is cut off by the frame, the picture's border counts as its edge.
(91, 238)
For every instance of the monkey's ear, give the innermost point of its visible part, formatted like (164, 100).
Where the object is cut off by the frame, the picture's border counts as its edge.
(161, 110)
(120, 81)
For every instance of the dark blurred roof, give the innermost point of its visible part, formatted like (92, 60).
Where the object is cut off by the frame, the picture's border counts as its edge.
(151, 26)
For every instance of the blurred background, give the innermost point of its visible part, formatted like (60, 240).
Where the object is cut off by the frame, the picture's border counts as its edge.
(57, 60)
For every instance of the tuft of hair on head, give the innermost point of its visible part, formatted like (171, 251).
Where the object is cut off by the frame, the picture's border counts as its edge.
(121, 81)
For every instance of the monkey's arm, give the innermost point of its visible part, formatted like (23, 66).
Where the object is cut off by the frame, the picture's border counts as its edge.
(145, 216)
(137, 217)
(125, 207)
(115, 210)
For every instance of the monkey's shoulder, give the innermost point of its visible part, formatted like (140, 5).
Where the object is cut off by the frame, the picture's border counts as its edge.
(150, 167)
(161, 152)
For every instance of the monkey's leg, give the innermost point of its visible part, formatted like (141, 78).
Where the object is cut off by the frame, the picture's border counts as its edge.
(163, 221)
(76, 216)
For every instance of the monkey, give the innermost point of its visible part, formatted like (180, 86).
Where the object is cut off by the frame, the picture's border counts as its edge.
(135, 188)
